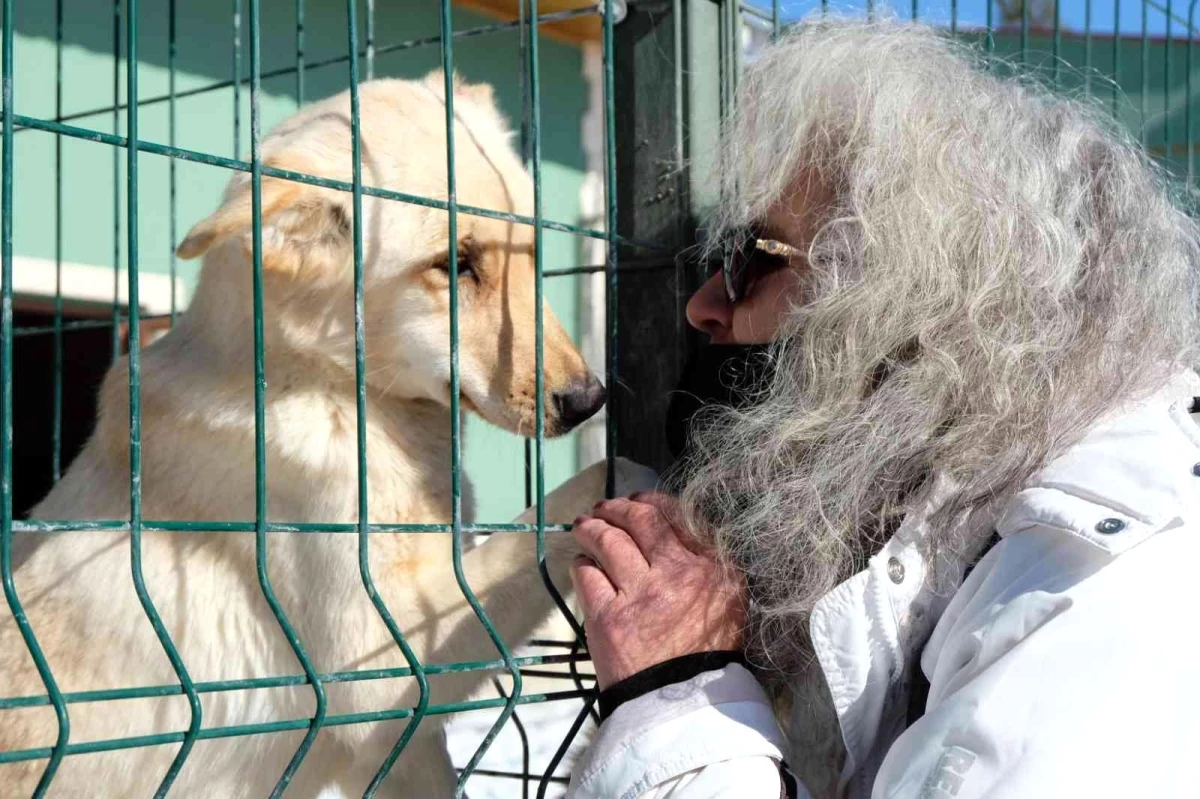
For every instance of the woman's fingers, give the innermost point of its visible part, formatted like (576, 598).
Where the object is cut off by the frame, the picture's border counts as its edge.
(645, 523)
(647, 598)
(668, 508)
(612, 549)
(592, 586)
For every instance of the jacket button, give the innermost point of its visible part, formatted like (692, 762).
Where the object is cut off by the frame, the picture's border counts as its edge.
(1196, 469)
(1110, 526)
(895, 570)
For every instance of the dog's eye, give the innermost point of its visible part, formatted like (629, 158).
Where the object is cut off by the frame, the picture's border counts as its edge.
(465, 265)
(466, 262)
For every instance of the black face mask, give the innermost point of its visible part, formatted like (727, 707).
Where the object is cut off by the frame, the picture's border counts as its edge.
(716, 374)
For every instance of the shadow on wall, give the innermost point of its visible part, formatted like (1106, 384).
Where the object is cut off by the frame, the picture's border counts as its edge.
(205, 49)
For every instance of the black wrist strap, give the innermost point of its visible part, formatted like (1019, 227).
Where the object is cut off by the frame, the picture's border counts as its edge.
(669, 672)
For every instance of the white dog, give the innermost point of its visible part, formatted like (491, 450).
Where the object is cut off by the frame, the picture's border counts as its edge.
(198, 464)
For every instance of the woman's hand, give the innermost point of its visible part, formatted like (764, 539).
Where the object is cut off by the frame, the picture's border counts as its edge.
(647, 595)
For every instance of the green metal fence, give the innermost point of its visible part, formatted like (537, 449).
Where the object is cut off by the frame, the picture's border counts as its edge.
(125, 18)
(1147, 68)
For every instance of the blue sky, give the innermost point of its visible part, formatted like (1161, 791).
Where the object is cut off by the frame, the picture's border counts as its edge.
(1073, 13)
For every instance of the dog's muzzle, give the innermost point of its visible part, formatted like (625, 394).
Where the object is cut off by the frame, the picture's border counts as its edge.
(578, 401)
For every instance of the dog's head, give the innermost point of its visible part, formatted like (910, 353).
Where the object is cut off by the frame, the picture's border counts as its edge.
(308, 254)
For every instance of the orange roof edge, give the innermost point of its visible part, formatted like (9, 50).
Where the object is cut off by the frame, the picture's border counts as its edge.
(571, 31)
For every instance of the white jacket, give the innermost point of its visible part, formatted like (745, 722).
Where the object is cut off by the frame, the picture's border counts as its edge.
(1065, 665)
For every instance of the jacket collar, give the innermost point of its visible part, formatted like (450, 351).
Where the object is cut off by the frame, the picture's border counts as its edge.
(1131, 475)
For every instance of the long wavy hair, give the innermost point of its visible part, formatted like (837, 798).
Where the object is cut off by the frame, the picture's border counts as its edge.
(1001, 266)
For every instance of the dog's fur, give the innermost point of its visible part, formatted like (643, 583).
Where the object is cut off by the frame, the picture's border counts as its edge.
(198, 463)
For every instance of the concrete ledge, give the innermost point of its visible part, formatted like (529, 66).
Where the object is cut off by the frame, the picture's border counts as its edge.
(34, 279)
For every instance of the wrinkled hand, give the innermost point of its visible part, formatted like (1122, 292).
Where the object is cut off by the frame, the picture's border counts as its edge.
(647, 595)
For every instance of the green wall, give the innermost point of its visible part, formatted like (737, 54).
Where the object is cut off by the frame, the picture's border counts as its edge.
(1143, 82)
(206, 123)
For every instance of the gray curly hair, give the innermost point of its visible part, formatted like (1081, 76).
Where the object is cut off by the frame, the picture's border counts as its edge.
(1000, 267)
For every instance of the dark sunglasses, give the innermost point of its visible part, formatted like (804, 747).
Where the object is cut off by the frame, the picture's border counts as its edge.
(748, 256)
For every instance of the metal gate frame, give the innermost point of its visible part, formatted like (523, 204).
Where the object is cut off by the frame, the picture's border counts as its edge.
(260, 526)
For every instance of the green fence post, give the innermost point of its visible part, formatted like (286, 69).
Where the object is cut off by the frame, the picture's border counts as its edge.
(260, 422)
(172, 121)
(1191, 147)
(1116, 54)
(360, 390)
(299, 52)
(539, 428)
(1145, 69)
(455, 415)
(135, 410)
(370, 40)
(538, 322)
(1056, 45)
(612, 360)
(526, 447)
(1167, 86)
(6, 419)
(237, 77)
(990, 42)
(116, 129)
(1087, 47)
(56, 432)
(526, 157)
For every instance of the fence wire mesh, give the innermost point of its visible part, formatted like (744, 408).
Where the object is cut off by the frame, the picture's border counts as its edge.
(1139, 72)
(126, 314)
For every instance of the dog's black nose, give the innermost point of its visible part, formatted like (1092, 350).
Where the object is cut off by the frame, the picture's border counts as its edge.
(579, 400)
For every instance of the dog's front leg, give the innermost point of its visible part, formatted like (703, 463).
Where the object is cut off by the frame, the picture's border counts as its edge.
(504, 574)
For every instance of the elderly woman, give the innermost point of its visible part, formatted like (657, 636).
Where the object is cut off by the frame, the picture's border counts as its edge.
(944, 545)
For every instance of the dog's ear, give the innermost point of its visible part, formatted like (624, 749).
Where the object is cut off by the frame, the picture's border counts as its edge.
(300, 224)
(235, 214)
(479, 93)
